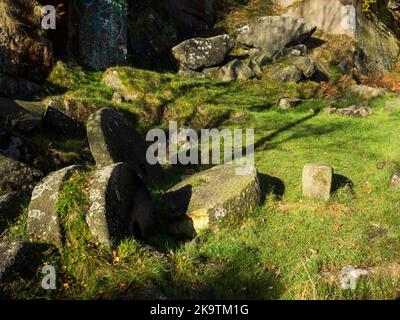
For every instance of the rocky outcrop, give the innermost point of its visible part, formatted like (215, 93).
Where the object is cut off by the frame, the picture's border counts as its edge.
(113, 139)
(121, 206)
(26, 56)
(272, 33)
(199, 53)
(205, 197)
(98, 34)
(43, 220)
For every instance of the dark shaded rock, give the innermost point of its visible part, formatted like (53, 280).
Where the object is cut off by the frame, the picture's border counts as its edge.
(10, 204)
(13, 86)
(113, 139)
(15, 148)
(199, 53)
(21, 260)
(305, 64)
(43, 220)
(287, 74)
(272, 33)
(15, 175)
(61, 123)
(121, 206)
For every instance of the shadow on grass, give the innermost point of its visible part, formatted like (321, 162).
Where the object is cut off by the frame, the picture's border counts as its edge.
(340, 182)
(272, 185)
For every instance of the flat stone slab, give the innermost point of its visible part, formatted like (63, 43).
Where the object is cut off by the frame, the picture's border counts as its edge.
(120, 206)
(317, 181)
(112, 140)
(208, 196)
(43, 221)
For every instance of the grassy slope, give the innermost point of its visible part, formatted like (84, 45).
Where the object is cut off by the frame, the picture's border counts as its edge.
(275, 252)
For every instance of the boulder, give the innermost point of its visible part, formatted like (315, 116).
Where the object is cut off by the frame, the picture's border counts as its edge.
(21, 260)
(113, 80)
(288, 103)
(120, 206)
(272, 33)
(305, 64)
(330, 16)
(13, 86)
(287, 74)
(205, 197)
(199, 53)
(356, 111)
(236, 70)
(60, 122)
(43, 221)
(317, 181)
(98, 38)
(15, 175)
(113, 139)
(368, 92)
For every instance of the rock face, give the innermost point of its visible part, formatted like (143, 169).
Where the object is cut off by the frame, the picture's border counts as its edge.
(26, 56)
(287, 74)
(236, 70)
(368, 92)
(112, 139)
(211, 195)
(59, 122)
(317, 181)
(331, 16)
(99, 35)
(15, 175)
(272, 33)
(43, 221)
(120, 206)
(199, 53)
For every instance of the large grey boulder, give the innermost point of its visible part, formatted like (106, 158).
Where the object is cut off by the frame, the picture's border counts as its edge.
(205, 197)
(272, 33)
(43, 220)
(120, 206)
(15, 175)
(287, 74)
(113, 139)
(236, 70)
(200, 53)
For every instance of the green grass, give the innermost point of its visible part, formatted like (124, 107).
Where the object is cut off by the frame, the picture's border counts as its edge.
(275, 252)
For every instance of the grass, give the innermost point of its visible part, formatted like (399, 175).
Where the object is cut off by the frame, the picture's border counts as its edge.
(275, 252)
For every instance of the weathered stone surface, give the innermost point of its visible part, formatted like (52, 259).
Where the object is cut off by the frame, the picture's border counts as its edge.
(13, 86)
(21, 260)
(395, 181)
(305, 64)
(199, 53)
(236, 70)
(15, 175)
(317, 181)
(99, 36)
(272, 33)
(288, 103)
(368, 92)
(287, 74)
(331, 16)
(112, 139)
(208, 196)
(356, 111)
(43, 221)
(121, 206)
